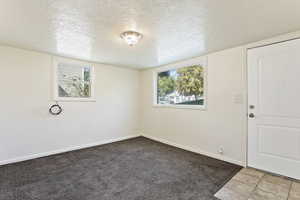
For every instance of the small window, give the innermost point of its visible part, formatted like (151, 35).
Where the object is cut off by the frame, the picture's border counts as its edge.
(181, 87)
(73, 80)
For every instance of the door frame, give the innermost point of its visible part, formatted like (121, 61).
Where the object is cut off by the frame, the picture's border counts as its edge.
(263, 43)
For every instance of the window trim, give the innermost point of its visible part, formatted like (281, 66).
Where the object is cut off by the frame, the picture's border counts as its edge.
(198, 61)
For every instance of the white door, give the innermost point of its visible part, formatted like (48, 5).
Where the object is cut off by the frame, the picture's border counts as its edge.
(274, 108)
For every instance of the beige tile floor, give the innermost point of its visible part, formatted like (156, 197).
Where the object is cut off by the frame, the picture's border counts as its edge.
(252, 184)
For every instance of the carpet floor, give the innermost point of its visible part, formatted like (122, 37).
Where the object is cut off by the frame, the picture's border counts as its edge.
(135, 169)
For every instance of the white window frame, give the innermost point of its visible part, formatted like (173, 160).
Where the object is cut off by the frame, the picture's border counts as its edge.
(198, 61)
(56, 62)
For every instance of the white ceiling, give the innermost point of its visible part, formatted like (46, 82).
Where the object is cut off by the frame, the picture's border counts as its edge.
(173, 29)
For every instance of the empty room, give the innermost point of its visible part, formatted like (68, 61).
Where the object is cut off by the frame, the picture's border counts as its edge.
(150, 100)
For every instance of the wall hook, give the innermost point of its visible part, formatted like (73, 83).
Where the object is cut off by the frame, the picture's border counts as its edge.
(55, 109)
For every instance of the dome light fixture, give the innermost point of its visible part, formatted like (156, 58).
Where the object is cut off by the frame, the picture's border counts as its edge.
(131, 37)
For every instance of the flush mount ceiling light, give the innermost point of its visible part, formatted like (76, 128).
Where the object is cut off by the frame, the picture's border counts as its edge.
(131, 37)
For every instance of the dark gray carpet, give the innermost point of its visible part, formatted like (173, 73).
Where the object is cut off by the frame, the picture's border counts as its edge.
(135, 169)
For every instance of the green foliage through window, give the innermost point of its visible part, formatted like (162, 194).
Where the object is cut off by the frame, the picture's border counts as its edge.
(181, 86)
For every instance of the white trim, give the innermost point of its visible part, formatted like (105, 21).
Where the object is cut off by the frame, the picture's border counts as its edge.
(67, 149)
(203, 61)
(245, 78)
(192, 107)
(196, 150)
(56, 61)
(274, 40)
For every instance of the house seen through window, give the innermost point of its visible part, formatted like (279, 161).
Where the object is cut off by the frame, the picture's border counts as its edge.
(181, 86)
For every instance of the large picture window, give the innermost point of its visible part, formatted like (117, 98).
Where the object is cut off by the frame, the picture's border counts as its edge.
(181, 86)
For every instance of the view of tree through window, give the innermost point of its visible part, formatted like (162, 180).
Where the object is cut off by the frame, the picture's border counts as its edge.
(182, 86)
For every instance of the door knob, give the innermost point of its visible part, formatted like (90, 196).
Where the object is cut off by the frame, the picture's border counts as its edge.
(251, 115)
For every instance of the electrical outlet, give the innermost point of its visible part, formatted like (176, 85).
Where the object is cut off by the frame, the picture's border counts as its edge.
(221, 150)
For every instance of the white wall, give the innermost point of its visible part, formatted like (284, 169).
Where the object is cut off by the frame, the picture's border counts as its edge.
(123, 108)
(26, 128)
(224, 122)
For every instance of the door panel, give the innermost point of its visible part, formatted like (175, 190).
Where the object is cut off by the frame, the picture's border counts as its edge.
(278, 95)
(272, 141)
(274, 90)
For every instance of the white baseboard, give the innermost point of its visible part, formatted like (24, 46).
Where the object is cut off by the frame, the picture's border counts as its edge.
(39, 155)
(196, 150)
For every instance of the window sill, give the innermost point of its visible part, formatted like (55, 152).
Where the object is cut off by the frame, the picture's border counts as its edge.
(70, 99)
(190, 107)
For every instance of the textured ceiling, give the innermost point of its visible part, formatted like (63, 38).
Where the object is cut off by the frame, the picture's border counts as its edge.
(173, 29)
